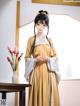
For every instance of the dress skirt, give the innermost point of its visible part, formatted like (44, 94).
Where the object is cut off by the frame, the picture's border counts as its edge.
(44, 89)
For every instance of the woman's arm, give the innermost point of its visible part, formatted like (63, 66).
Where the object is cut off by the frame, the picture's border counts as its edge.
(29, 60)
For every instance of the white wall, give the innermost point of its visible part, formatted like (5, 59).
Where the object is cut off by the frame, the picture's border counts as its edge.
(7, 38)
(29, 10)
(69, 92)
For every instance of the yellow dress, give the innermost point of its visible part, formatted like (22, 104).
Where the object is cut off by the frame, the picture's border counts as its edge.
(41, 90)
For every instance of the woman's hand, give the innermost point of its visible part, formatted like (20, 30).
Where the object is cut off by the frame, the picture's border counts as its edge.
(46, 58)
(39, 59)
(42, 58)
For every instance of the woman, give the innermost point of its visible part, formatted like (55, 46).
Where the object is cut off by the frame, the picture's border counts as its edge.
(41, 65)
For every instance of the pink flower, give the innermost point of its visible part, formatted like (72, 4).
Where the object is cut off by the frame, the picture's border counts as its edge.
(10, 60)
(15, 57)
(11, 51)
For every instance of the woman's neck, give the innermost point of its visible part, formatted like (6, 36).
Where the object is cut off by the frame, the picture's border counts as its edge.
(40, 34)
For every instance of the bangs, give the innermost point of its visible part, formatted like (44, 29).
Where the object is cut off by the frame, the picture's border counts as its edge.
(42, 22)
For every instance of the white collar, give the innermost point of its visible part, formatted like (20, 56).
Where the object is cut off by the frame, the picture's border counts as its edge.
(41, 40)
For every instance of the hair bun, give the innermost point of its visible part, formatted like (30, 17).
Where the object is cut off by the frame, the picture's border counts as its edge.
(43, 12)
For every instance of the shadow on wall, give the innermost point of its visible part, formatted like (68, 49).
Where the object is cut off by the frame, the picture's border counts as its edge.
(3, 3)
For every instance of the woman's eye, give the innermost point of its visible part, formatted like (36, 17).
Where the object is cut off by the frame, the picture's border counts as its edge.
(38, 24)
(44, 25)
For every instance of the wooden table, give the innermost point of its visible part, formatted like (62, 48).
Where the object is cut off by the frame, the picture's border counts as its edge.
(11, 87)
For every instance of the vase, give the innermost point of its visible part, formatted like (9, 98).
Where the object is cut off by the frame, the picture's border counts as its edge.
(14, 77)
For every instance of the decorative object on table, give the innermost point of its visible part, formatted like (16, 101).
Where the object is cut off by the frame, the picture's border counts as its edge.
(14, 59)
(14, 77)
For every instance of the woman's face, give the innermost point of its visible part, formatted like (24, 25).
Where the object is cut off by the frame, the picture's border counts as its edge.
(40, 27)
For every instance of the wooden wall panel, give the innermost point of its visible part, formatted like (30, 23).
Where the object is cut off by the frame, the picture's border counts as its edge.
(59, 2)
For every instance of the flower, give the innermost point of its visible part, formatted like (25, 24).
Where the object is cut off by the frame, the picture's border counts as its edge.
(15, 57)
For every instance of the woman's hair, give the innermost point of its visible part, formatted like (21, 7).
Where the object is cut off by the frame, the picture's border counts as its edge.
(41, 17)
